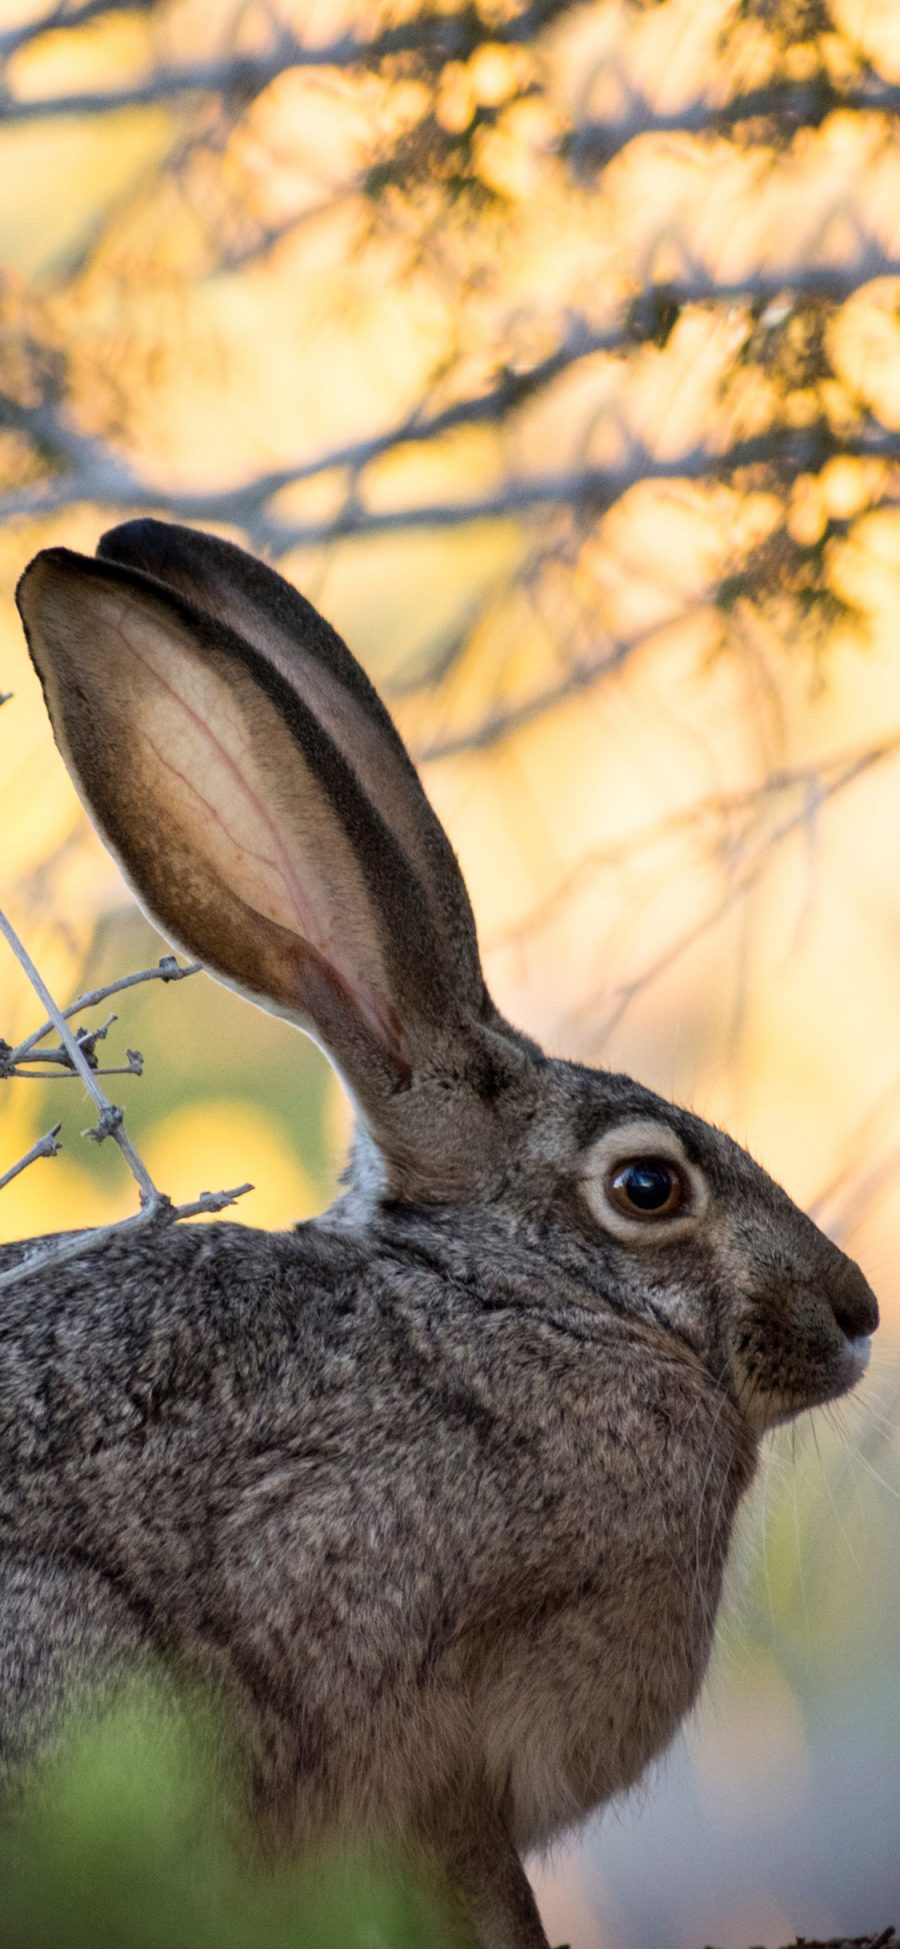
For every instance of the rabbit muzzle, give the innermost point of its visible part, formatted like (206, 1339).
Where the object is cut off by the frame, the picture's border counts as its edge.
(802, 1336)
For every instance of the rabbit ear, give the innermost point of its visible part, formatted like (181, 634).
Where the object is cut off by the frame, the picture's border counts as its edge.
(211, 766)
(236, 589)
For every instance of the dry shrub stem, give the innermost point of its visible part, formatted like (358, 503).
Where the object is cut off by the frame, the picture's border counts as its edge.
(46, 1146)
(76, 1051)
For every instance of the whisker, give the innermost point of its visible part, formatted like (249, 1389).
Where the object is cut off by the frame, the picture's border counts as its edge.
(872, 1470)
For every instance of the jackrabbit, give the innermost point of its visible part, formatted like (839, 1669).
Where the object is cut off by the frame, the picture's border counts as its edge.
(436, 1491)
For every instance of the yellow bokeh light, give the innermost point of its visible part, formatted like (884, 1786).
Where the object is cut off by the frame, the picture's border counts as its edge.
(215, 1145)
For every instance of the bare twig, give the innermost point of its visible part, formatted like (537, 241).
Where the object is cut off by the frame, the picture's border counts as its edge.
(110, 1119)
(25, 1066)
(817, 784)
(75, 1051)
(73, 1245)
(500, 724)
(46, 1146)
(62, 1072)
(167, 969)
(743, 882)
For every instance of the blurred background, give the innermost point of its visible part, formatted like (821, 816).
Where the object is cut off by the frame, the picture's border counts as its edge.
(553, 350)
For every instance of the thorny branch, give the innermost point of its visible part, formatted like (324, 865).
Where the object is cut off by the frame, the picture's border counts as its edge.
(26, 1069)
(75, 1245)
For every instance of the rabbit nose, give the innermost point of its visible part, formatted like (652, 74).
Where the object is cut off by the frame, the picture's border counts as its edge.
(853, 1303)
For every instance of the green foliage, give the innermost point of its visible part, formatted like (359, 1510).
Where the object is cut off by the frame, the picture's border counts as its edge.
(123, 1844)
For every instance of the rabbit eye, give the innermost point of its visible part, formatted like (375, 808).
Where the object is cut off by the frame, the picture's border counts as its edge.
(647, 1187)
(639, 1184)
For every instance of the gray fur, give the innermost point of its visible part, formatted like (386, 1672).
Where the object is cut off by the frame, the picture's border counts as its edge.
(436, 1491)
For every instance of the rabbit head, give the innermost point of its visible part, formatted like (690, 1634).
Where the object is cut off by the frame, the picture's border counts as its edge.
(247, 777)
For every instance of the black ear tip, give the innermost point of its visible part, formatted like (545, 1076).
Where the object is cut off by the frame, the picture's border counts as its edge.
(132, 540)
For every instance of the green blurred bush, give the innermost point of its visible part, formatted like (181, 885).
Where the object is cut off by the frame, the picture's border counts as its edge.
(123, 1843)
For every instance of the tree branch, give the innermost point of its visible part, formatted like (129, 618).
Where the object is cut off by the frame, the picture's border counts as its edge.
(435, 38)
(791, 105)
(789, 449)
(97, 474)
(46, 1146)
(62, 17)
(500, 724)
